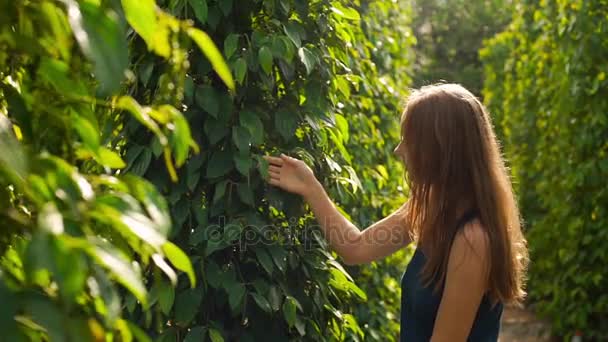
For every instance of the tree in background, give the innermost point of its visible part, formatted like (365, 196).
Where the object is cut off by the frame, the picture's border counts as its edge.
(449, 35)
(545, 81)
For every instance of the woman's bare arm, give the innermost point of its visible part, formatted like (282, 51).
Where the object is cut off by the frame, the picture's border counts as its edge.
(465, 284)
(354, 246)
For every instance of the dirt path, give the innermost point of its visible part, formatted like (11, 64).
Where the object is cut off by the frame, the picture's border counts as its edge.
(520, 325)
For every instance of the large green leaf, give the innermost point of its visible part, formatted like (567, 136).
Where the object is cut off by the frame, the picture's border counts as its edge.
(262, 302)
(196, 334)
(207, 98)
(166, 297)
(308, 58)
(121, 269)
(265, 59)
(209, 49)
(200, 10)
(286, 124)
(289, 310)
(12, 157)
(236, 293)
(241, 138)
(180, 260)
(230, 45)
(101, 38)
(219, 164)
(240, 69)
(215, 335)
(252, 122)
(187, 304)
(141, 15)
(264, 259)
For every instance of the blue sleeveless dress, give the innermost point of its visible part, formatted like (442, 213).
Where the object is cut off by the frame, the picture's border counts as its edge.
(419, 306)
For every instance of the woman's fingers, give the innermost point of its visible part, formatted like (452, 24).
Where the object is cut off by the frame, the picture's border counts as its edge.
(274, 168)
(274, 160)
(274, 181)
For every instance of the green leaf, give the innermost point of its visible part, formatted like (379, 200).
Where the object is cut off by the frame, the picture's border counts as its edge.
(274, 298)
(289, 310)
(264, 259)
(207, 98)
(340, 282)
(139, 334)
(56, 73)
(141, 15)
(262, 302)
(196, 334)
(209, 49)
(200, 10)
(213, 274)
(308, 58)
(279, 255)
(286, 124)
(265, 59)
(109, 158)
(242, 161)
(102, 40)
(219, 164)
(50, 219)
(160, 262)
(12, 157)
(187, 304)
(345, 12)
(262, 166)
(87, 132)
(180, 260)
(141, 114)
(122, 270)
(240, 69)
(48, 315)
(215, 129)
(166, 297)
(215, 244)
(232, 231)
(252, 122)
(245, 193)
(225, 6)
(220, 190)
(181, 138)
(236, 292)
(230, 44)
(154, 203)
(241, 138)
(292, 31)
(215, 335)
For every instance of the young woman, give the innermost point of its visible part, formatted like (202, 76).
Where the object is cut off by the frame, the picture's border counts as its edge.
(470, 256)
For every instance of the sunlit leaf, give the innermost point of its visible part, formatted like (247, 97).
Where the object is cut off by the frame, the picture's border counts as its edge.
(180, 260)
(265, 59)
(209, 49)
(103, 41)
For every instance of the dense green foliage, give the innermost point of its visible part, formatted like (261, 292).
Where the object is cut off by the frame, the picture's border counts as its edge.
(73, 228)
(449, 35)
(546, 83)
(311, 76)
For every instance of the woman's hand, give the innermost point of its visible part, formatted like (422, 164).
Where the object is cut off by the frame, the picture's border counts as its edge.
(291, 174)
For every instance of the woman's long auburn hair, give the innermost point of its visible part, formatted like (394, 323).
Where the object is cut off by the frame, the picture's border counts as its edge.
(454, 164)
